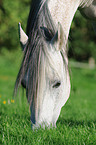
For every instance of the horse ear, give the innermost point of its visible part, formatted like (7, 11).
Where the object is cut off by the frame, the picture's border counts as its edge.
(22, 36)
(58, 37)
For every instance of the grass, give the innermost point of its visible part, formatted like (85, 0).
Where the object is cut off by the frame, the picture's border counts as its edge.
(76, 124)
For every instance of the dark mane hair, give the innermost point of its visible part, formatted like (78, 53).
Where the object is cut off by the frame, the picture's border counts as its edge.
(39, 18)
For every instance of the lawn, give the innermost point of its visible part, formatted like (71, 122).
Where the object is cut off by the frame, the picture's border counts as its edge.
(77, 121)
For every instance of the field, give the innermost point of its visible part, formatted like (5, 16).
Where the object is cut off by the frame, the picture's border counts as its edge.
(76, 124)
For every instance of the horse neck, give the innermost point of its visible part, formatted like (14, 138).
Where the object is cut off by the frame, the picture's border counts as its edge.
(63, 11)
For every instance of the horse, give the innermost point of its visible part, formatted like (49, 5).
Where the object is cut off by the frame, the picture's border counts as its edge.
(44, 70)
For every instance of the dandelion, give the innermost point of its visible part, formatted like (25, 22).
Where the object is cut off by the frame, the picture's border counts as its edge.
(12, 101)
(4, 102)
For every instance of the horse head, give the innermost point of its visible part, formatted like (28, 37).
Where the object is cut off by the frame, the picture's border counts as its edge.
(46, 80)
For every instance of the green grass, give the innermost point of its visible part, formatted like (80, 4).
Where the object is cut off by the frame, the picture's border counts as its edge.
(76, 124)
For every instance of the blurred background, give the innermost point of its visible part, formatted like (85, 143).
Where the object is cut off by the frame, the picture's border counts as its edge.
(11, 13)
(82, 39)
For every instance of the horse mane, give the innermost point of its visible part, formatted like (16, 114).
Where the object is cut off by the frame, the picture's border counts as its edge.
(34, 10)
(33, 52)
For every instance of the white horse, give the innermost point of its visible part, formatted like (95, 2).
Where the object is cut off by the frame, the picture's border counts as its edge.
(44, 70)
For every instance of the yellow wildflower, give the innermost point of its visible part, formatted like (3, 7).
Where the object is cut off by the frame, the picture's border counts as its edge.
(12, 101)
(0, 96)
(4, 102)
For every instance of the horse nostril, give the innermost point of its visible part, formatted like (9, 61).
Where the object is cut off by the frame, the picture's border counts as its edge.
(23, 83)
(57, 84)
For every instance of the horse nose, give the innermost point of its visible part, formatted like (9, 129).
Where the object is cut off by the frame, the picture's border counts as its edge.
(25, 86)
(23, 83)
(33, 119)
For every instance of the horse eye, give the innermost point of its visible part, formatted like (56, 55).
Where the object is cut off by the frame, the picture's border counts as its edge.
(57, 84)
